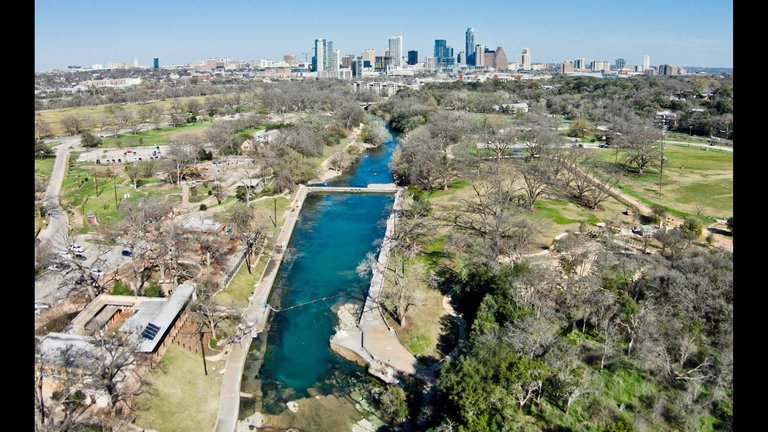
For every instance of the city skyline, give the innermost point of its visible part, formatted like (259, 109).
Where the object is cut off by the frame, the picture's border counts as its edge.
(74, 34)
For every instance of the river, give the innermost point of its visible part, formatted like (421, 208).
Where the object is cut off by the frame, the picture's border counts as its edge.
(332, 236)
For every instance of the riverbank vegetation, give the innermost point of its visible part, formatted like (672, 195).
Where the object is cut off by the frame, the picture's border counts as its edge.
(595, 329)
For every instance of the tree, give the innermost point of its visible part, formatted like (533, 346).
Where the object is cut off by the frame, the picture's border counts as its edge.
(73, 124)
(42, 150)
(205, 307)
(692, 226)
(581, 128)
(133, 171)
(42, 128)
(538, 177)
(729, 224)
(242, 217)
(179, 156)
(394, 405)
(638, 138)
(89, 140)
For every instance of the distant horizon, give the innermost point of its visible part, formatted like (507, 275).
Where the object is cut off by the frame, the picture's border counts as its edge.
(83, 33)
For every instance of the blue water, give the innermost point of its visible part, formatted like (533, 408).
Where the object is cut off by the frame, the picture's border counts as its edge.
(333, 234)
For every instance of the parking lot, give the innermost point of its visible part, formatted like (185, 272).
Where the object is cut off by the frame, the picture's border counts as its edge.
(113, 156)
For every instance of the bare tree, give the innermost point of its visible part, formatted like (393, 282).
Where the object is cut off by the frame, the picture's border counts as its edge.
(639, 139)
(73, 124)
(178, 157)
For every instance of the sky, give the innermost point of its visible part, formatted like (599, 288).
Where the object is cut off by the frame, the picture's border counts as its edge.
(84, 32)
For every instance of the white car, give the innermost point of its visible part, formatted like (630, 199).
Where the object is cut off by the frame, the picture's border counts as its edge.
(54, 267)
(97, 273)
(76, 248)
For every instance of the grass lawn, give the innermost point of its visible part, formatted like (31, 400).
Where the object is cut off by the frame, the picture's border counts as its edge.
(154, 137)
(80, 186)
(423, 327)
(241, 286)
(53, 117)
(44, 167)
(692, 177)
(184, 398)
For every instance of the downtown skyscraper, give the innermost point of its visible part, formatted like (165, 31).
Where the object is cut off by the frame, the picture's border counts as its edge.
(396, 51)
(469, 47)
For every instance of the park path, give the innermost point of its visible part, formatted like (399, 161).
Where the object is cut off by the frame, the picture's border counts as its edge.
(58, 224)
(255, 317)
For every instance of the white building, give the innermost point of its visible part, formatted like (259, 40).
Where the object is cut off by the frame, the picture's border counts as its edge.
(396, 51)
(600, 65)
(646, 62)
(524, 59)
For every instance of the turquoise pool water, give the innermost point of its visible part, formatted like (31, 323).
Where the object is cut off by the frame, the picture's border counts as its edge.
(332, 236)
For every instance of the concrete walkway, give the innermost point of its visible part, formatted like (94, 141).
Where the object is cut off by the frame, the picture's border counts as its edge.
(373, 341)
(255, 316)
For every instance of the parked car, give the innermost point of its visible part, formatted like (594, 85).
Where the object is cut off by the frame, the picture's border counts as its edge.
(97, 273)
(54, 267)
(127, 253)
(40, 306)
(81, 257)
(76, 248)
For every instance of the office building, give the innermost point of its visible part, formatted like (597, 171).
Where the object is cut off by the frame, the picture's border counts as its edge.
(479, 56)
(646, 62)
(290, 60)
(443, 54)
(566, 67)
(413, 57)
(524, 60)
(580, 63)
(668, 69)
(319, 55)
(600, 65)
(461, 58)
(619, 64)
(135, 62)
(369, 55)
(155, 63)
(492, 59)
(469, 46)
(333, 64)
(396, 51)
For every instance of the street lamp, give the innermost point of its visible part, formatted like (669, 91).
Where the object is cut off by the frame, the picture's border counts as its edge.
(661, 165)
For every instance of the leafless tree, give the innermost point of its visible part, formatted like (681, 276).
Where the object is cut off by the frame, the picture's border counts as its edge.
(73, 124)
(179, 156)
(640, 141)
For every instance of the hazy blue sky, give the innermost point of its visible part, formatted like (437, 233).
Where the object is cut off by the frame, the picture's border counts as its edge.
(83, 32)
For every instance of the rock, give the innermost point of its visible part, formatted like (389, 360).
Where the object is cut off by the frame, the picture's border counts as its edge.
(600, 224)
(312, 391)
(356, 396)
(363, 426)
(293, 406)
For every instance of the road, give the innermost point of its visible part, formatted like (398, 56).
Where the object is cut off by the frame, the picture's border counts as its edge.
(58, 224)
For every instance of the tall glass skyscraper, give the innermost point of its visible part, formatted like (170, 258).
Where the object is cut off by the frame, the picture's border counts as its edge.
(469, 46)
(443, 54)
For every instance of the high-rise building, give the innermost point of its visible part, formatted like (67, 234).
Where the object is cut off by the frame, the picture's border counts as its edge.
(319, 56)
(443, 54)
(155, 63)
(135, 62)
(566, 67)
(501, 62)
(357, 67)
(469, 46)
(346, 61)
(413, 57)
(396, 51)
(479, 55)
(619, 64)
(600, 65)
(290, 60)
(580, 63)
(524, 60)
(369, 55)
(668, 69)
(646, 62)
(461, 58)
(333, 64)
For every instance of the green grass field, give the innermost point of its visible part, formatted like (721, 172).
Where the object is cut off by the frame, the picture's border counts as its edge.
(44, 167)
(184, 398)
(154, 137)
(53, 117)
(79, 190)
(693, 178)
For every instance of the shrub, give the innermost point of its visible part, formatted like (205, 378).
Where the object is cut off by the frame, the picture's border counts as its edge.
(203, 207)
(119, 288)
(729, 223)
(692, 226)
(153, 290)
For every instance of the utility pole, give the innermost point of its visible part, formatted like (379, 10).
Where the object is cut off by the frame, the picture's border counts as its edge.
(115, 185)
(202, 351)
(661, 165)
